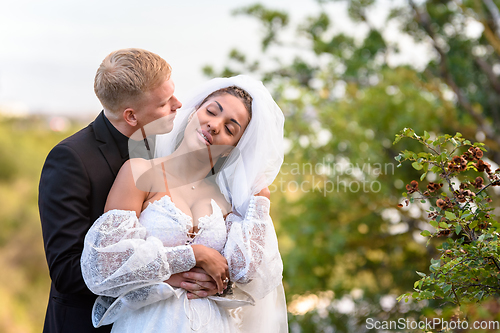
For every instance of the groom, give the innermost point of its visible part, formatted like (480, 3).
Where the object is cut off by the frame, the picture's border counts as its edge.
(135, 88)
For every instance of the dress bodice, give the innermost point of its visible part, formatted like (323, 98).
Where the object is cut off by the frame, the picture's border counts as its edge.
(126, 260)
(165, 221)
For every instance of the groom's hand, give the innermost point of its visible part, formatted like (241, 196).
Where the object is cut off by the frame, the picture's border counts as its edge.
(196, 282)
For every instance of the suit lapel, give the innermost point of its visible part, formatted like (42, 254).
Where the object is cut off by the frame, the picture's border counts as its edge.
(108, 146)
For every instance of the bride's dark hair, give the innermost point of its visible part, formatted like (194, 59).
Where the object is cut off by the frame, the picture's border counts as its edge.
(235, 91)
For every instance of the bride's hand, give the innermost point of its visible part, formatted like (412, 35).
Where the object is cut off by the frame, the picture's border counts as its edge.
(213, 263)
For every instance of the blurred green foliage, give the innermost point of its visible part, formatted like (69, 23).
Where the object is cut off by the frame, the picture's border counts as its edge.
(346, 248)
(348, 251)
(24, 281)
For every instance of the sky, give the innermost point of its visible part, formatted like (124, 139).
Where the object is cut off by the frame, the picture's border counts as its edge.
(51, 49)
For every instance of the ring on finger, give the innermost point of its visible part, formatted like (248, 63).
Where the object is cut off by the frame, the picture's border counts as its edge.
(226, 281)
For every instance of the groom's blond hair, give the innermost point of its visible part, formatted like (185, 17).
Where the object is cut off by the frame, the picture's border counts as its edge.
(124, 75)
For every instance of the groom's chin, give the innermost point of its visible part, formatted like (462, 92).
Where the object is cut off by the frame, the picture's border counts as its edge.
(159, 126)
(167, 129)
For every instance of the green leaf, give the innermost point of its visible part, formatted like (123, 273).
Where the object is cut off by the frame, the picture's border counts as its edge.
(458, 228)
(421, 274)
(450, 215)
(426, 294)
(444, 225)
(408, 132)
(436, 169)
(423, 176)
(416, 166)
(435, 261)
(425, 233)
(407, 154)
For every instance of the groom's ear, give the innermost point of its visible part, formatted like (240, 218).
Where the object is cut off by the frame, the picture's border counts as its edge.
(130, 117)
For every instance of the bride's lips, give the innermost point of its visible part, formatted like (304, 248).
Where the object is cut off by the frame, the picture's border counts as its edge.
(207, 135)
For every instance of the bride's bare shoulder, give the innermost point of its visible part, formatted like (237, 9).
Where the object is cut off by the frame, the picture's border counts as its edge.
(139, 166)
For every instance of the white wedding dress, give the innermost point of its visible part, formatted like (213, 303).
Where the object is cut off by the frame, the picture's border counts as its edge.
(126, 260)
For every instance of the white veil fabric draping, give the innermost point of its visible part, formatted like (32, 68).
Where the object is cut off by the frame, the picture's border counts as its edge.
(251, 166)
(258, 156)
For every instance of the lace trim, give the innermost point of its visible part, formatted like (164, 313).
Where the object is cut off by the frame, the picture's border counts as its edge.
(180, 259)
(166, 202)
(258, 208)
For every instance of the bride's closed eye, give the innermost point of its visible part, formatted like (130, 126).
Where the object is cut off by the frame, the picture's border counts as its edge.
(228, 130)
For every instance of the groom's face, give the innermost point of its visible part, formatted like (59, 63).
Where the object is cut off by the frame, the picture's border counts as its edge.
(157, 108)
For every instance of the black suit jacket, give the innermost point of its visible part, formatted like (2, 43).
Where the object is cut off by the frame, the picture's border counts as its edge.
(76, 178)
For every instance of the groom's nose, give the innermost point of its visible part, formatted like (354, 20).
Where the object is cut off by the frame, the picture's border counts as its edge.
(176, 103)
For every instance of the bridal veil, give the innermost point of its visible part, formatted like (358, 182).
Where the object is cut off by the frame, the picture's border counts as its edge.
(251, 166)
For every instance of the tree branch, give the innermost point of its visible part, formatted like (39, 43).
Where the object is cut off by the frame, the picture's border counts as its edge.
(495, 262)
(491, 37)
(494, 13)
(488, 70)
(423, 19)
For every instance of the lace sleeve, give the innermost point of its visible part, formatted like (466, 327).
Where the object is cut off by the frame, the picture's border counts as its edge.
(252, 250)
(117, 257)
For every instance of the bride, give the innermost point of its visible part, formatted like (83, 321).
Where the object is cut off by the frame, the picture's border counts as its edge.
(195, 205)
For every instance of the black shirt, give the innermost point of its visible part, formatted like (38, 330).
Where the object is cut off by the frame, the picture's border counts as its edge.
(131, 148)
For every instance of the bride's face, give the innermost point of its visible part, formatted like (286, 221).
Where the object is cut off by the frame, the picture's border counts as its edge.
(220, 121)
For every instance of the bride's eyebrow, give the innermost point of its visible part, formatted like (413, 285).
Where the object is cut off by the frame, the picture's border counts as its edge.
(232, 119)
(220, 106)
